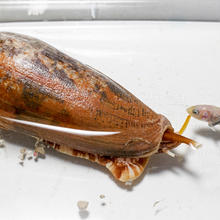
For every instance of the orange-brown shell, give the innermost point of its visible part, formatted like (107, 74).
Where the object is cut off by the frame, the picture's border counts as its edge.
(39, 83)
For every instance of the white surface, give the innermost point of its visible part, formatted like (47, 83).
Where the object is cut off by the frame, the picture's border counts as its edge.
(169, 66)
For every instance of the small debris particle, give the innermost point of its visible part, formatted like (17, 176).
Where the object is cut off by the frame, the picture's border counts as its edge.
(156, 203)
(2, 143)
(29, 155)
(40, 146)
(102, 196)
(159, 210)
(82, 205)
(23, 150)
(40, 150)
(35, 155)
(103, 204)
(21, 163)
(22, 155)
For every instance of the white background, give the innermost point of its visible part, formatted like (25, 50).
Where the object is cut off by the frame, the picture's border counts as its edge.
(26, 10)
(169, 66)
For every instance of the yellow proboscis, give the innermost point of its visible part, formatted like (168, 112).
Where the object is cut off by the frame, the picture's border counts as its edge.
(183, 128)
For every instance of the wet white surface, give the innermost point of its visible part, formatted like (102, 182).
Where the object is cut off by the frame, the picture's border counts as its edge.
(169, 66)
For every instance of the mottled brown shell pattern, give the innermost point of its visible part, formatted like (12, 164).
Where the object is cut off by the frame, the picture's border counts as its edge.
(39, 83)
